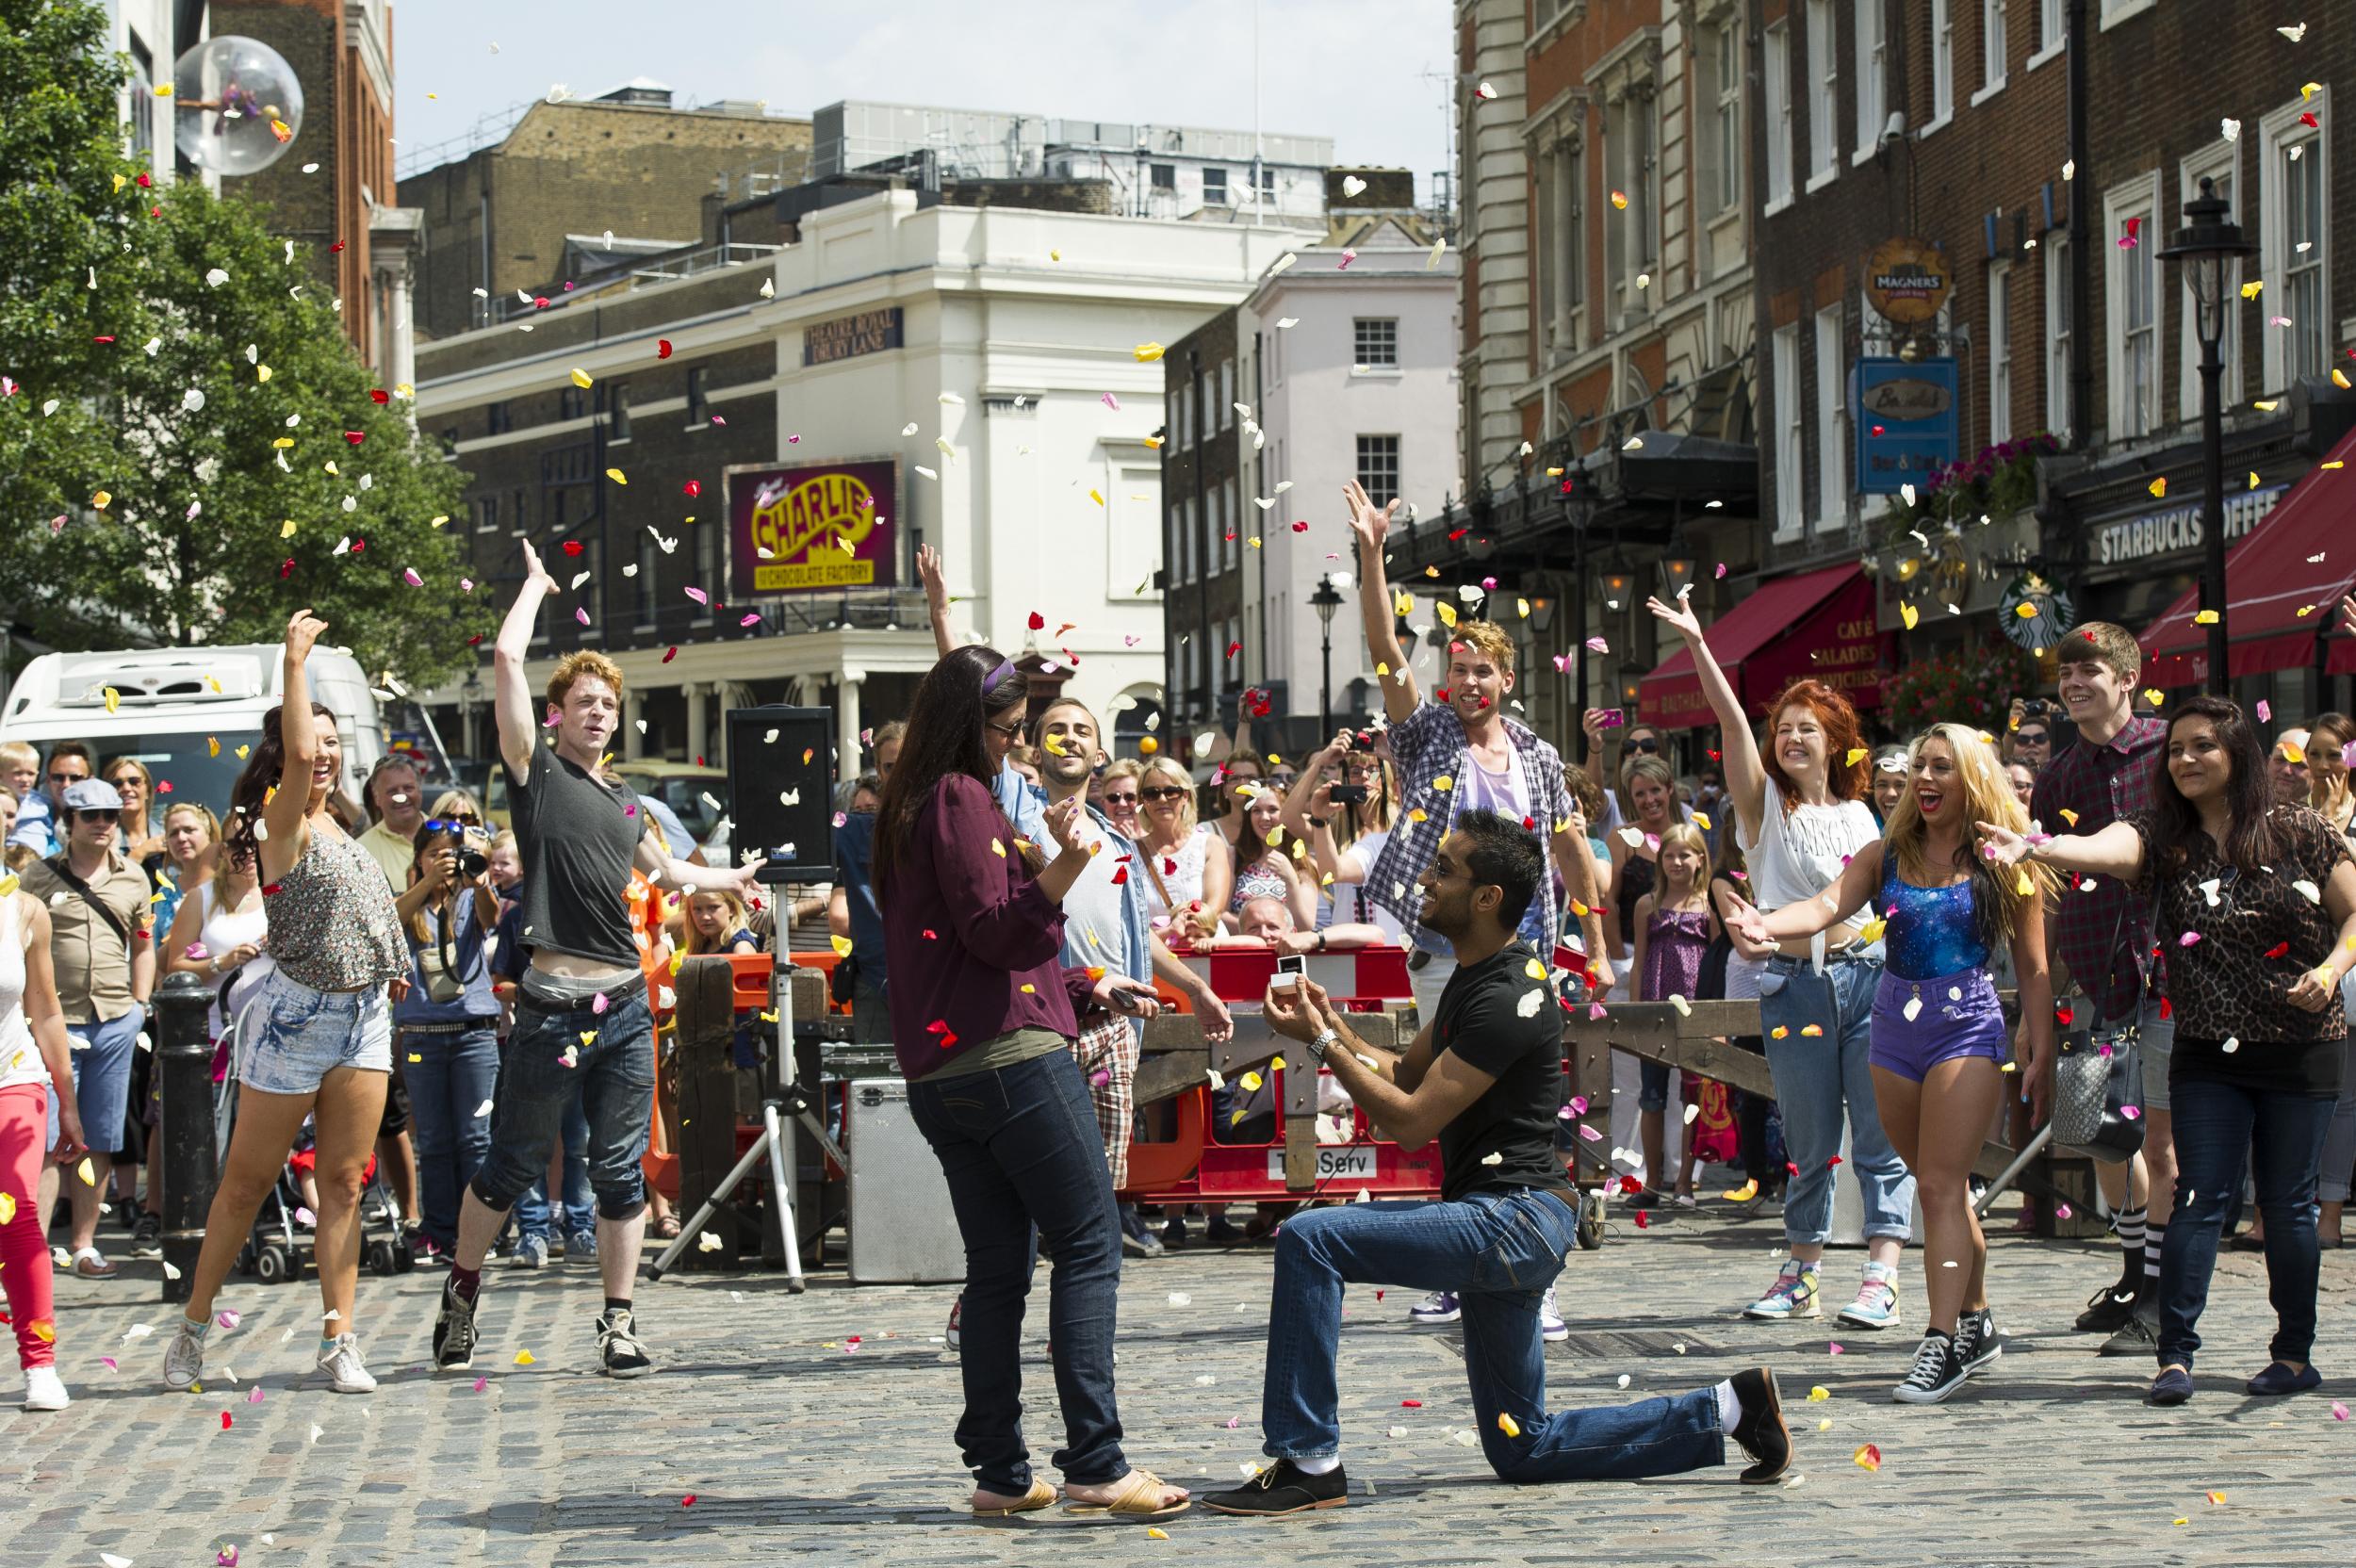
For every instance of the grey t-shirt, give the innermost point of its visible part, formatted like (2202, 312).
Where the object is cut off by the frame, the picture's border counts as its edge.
(1095, 932)
(577, 836)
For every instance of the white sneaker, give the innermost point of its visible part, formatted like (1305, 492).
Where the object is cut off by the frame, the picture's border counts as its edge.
(44, 1389)
(1550, 1324)
(1441, 1306)
(342, 1365)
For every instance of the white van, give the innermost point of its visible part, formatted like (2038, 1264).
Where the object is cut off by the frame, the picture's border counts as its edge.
(172, 703)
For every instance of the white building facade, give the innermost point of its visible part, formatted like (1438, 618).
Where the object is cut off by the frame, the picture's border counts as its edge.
(1363, 384)
(1017, 338)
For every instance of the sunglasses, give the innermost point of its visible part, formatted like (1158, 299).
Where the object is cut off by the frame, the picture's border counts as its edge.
(100, 815)
(1010, 732)
(1163, 792)
(67, 778)
(451, 824)
(1643, 745)
(1111, 799)
(129, 781)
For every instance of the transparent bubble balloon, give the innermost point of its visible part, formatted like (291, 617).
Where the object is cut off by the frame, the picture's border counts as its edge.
(237, 106)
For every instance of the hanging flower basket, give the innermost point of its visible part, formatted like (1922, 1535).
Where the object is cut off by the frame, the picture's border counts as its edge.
(1971, 685)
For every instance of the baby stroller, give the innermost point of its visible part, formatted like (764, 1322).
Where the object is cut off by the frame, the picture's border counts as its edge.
(281, 1244)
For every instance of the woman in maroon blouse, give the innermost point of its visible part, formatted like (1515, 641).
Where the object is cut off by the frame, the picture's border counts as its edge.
(983, 1021)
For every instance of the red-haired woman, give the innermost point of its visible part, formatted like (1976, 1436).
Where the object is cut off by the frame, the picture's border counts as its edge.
(1800, 813)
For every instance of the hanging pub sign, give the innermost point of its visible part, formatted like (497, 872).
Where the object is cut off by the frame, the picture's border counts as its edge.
(1906, 281)
(802, 530)
(1903, 413)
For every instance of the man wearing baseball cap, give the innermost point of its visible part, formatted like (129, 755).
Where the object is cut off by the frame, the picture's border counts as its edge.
(101, 947)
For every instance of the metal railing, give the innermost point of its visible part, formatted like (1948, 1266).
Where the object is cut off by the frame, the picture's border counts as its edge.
(668, 266)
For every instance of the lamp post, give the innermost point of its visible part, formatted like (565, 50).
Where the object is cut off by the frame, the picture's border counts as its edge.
(469, 700)
(2207, 244)
(1326, 601)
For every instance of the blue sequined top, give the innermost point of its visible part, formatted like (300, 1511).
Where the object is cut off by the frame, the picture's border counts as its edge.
(1933, 931)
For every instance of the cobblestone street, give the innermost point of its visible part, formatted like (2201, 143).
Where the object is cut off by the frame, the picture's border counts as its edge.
(794, 1441)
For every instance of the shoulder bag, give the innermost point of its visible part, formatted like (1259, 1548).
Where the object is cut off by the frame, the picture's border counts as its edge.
(2094, 1076)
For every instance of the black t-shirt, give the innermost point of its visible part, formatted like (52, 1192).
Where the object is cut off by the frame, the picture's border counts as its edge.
(576, 835)
(1503, 1141)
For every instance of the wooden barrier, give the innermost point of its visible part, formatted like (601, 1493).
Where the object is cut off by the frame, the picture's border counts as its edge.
(1687, 1036)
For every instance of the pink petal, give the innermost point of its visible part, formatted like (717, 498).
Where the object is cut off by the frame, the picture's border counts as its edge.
(698, 595)
(409, 575)
(582, 615)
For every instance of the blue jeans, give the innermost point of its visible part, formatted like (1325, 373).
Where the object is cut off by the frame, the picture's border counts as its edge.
(534, 1215)
(613, 1075)
(1816, 1078)
(2214, 1124)
(450, 1076)
(1498, 1251)
(101, 1057)
(1020, 1148)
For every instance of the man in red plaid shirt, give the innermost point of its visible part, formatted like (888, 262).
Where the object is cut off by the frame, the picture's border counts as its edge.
(2101, 940)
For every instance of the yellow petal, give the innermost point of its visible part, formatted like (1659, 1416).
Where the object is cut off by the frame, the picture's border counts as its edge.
(2068, 816)
(1911, 616)
(2153, 695)
(1701, 820)
(2204, 617)
(2158, 487)
(1251, 1081)
(2021, 884)
(525, 1358)
(1147, 353)
(617, 476)
(1443, 782)
(1447, 613)
(842, 946)
(1857, 755)
(1871, 930)
(1029, 990)
(88, 1172)
(114, 699)
(8, 1208)
(1507, 1425)
(1811, 1031)
(1535, 970)
(998, 849)
(582, 378)
(2292, 751)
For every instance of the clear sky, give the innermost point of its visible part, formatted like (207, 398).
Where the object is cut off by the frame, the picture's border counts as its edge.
(1369, 73)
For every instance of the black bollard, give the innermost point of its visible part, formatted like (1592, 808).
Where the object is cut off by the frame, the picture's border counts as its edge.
(184, 1063)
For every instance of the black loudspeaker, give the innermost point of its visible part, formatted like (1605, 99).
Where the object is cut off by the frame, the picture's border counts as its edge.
(781, 790)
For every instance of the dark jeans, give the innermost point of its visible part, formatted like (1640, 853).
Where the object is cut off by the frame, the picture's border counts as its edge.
(2214, 1124)
(450, 1078)
(1020, 1148)
(611, 1069)
(1498, 1251)
(534, 1214)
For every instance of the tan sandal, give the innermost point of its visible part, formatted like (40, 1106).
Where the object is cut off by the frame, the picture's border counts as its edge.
(1140, 1497)
(1042, 1495)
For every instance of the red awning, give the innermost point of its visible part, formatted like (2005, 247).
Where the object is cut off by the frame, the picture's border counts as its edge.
(1819, 624)
(2283, 580)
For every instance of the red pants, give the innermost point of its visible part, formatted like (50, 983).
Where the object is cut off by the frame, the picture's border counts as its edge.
(23, 1248)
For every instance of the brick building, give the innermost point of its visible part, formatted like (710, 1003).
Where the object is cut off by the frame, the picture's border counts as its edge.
(1205, 487)
(1607, 313)
(534, 210)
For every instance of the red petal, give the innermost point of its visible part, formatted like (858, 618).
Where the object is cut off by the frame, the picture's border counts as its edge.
(670, 654)
(662, 347)
(1038, 621)
(572, 547)
(355, 436)
(376, 396)
(2278, 950)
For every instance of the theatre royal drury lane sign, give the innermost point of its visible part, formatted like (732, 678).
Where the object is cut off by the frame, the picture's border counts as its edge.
(2123, 541)
(870, 331)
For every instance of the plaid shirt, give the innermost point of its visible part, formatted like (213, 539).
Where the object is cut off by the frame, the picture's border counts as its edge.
(1430, 744)
(2103, 932)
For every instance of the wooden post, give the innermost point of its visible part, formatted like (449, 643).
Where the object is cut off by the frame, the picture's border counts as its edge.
(702, 1044)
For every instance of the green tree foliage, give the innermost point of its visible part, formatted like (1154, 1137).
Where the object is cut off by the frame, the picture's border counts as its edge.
(214, 455)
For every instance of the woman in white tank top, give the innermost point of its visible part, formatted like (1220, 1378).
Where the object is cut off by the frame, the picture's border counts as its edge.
(1800, 812)
(34, 1057)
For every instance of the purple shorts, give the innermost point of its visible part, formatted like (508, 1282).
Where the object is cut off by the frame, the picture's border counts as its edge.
(1960, 1016)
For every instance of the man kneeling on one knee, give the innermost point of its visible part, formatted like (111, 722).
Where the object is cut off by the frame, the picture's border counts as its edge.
(1486, 1078)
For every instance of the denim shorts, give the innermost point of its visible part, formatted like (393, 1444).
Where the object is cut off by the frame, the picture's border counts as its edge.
(1960, 1016)
(304, 1034)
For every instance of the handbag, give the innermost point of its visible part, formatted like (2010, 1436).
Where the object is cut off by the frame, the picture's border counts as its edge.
(443, 984)
(2095, 1080)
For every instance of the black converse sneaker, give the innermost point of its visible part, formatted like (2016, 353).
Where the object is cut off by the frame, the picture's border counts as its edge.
(453, 1331)
(1938, 1372)
(1977, 1339)
(618, 1347)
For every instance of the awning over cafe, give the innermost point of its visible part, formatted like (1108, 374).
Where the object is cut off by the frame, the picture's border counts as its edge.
(1818, 623)
(2283, 585)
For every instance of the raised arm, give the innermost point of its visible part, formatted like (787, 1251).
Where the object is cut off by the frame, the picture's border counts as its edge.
(936, 598)
(511, 693)
(1370, 524)
(1572, 853)
(2117, 850)
(1836, 904)
(1746, 776)
(287, 815)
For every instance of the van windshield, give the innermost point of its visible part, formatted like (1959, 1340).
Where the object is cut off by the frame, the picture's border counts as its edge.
(183, 765)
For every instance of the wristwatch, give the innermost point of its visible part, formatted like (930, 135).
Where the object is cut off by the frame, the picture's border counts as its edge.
(1321, 1041)
(1320, 941)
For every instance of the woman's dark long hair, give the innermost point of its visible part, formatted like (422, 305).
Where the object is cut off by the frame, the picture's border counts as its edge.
(260, 776)
(2249, 793)
(944, 737)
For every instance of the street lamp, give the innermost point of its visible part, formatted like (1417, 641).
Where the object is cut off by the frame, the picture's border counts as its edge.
(469, 700)
(2205, 244)
(1325, 601)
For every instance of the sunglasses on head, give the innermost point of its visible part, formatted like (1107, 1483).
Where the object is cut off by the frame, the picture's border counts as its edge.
(1162, 792)
(451, 824)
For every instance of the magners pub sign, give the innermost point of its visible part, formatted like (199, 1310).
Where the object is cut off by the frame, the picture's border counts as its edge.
(808, 530)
